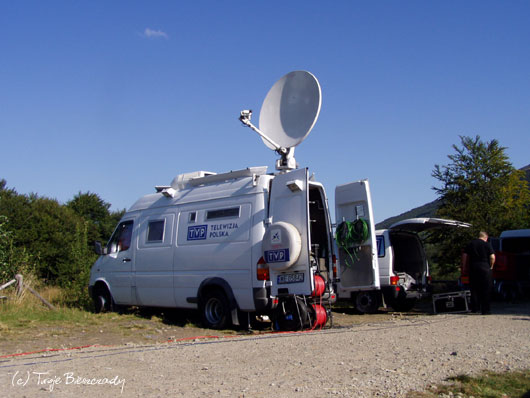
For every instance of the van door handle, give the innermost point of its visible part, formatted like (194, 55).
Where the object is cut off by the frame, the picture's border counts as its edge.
(126, 260)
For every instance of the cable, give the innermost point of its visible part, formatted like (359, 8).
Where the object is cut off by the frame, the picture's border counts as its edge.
(351, 235)
(118, 350)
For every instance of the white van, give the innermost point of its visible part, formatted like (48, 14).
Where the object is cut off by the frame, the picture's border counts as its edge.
(242, 241)
(238, 242)
(401, 261)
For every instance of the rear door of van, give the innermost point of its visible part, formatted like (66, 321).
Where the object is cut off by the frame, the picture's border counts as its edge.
(289, 203)
(404, 254)
(424, 223)
(358, 267)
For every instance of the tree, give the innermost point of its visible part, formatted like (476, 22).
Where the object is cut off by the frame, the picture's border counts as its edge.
(54, 241)
(44, 230)
(96, 212)
(479, 186)
(5, 242)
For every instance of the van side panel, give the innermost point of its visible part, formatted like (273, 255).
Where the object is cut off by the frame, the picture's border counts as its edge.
(154, 258)
(213, 240)
(257, 231)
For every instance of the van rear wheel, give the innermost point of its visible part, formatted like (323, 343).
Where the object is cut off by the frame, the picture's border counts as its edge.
(215, 310)
(367, 302)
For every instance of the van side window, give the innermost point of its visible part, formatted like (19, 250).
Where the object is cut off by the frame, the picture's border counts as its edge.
(121, 239)
(222, 213)
(380, 245)
(155, 231)
(516, 245)
(192, 216)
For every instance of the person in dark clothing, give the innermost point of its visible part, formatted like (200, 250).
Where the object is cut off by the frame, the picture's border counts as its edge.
(479, 259)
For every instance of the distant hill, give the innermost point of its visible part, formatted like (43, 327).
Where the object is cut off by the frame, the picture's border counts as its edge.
(427, 210)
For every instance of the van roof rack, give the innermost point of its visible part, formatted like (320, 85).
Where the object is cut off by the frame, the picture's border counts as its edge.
(197, 178)
(231, 175)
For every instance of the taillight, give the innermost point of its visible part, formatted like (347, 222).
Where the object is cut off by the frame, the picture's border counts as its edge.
(501, 262)
(334, 260)
(394, 280)
(429, 279)
(262, 270)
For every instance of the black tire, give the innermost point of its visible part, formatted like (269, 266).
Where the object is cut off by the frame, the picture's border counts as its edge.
(403, 304)
(367, 302)
(215, 310)
(103, 301)
(507, 292)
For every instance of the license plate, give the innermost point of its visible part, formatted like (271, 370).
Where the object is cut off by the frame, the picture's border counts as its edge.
(290, 278)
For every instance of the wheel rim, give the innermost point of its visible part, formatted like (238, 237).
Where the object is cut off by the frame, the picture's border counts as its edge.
(102, 303)
(214, 310)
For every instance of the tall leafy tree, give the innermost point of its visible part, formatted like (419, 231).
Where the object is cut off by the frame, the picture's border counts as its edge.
(479, 186)
(54, 241)
(94, 210)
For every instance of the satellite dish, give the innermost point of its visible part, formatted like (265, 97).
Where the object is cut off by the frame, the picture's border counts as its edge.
(290, 109)
(289, 112)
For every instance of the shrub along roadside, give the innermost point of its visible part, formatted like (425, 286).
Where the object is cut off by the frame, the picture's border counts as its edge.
(41, 237)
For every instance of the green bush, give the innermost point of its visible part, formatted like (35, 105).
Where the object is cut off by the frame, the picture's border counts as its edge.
(41, 237)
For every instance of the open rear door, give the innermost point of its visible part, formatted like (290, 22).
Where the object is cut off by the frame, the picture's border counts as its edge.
(355, 238)
(286, 241)
(423, 224)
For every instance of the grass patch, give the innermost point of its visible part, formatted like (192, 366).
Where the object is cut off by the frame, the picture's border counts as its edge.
(26, 316)
(19, 313)
(486, 385)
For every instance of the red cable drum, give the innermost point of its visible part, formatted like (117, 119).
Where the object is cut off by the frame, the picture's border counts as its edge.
(320, 286)
(320, 315)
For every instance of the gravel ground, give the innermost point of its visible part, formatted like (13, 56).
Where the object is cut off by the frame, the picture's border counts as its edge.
(384, 359)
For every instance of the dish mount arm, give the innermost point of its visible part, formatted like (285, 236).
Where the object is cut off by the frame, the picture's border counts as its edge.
(287, 161)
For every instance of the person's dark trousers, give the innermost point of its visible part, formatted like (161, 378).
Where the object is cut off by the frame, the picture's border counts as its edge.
(481, 282)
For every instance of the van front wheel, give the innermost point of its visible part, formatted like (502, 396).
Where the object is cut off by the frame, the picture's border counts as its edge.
(103, 301)
(215, 311)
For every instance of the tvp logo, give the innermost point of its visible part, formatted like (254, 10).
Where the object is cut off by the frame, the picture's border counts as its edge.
(276, 236)
(277, 256)
(197, 232)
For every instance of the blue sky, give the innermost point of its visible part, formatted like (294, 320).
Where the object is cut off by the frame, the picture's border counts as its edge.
(116, 97)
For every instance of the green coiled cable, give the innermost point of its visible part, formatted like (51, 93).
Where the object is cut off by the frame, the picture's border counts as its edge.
(352, 234)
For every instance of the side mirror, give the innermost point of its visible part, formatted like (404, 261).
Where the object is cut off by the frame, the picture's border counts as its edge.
(99, 249)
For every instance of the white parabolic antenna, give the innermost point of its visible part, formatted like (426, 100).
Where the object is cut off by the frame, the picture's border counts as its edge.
(290, 109)
(289, 112)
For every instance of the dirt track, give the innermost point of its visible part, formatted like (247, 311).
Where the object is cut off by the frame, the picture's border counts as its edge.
(383, 358)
